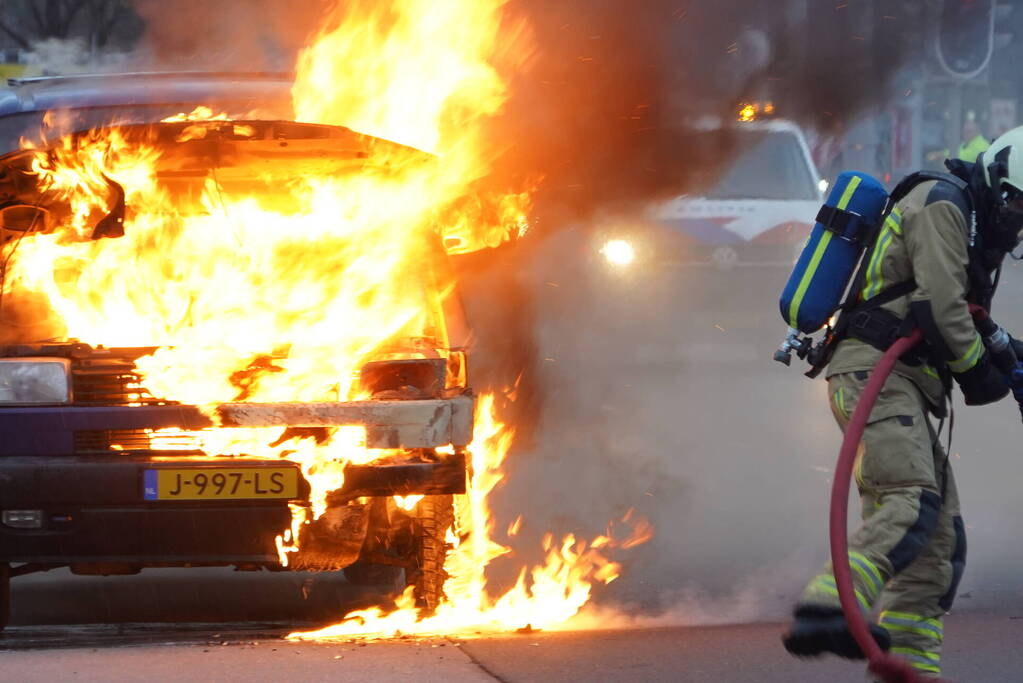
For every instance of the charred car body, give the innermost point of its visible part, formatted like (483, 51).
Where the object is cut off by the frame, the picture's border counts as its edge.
(100, 475)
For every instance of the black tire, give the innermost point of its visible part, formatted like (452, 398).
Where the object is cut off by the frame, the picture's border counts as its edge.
(375, 575)
(5, 595)
(434, 515)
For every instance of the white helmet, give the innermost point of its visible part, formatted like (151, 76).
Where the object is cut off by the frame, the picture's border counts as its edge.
(1003, 165)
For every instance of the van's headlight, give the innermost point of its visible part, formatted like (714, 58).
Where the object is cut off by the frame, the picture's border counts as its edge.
(35, 380)
(618, 252)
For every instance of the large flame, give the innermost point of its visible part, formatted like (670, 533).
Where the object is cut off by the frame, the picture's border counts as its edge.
(281, 290)
(430, 74)
(545, 596)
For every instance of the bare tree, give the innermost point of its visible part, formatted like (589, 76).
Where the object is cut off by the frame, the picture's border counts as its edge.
(104, 15)
(27, 21)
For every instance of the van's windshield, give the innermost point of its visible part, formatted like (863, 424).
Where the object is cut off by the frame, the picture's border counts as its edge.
(774, 166)
(38, 126)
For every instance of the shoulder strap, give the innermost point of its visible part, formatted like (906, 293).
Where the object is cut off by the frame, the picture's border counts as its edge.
(982, 286)
(907, 184)
(899, 193)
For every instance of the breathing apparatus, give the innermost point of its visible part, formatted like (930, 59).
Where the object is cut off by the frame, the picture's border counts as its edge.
(855, 218)
(827, 268)
(849, 225)
(846, 225)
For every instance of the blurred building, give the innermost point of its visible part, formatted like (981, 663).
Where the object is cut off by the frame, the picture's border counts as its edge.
(51, 36)
(959, 77)
(12, 60)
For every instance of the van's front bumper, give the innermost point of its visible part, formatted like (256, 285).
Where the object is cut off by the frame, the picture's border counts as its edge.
(95, 509)
(94, 506)
(51, 430)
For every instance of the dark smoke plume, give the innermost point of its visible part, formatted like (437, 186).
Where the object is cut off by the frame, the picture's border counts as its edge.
(237, 35)
(601, 114)
(601, 117)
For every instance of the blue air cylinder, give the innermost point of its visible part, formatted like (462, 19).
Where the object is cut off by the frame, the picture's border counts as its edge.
(845, 225)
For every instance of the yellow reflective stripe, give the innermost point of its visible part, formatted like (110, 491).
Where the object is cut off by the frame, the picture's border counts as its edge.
(929, 668)
(854, 182)
(818, 254)
(909, 616)
(920, 659)
(913, 623)
(968, 359)
(826, 584)
(804, 284)
(894, 221)
(893, 626)
(874, 264)
(840, 402)
(914, 652)
(930, 372)
(874, 280)
(866, 569)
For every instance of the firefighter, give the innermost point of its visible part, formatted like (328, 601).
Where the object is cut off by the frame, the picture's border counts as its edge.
(974, 143)
(937, 251)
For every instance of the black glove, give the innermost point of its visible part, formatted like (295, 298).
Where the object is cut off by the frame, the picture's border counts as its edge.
(982, 383)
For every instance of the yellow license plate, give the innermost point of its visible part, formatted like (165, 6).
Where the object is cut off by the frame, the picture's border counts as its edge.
(220, 483)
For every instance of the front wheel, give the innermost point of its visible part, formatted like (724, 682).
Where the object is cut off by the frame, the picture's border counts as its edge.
(434, 515)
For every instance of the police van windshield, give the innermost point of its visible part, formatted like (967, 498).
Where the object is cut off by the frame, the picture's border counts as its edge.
(773, 166)
(37, 126)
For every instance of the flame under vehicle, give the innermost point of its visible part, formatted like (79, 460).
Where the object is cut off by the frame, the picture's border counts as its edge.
(103, 474)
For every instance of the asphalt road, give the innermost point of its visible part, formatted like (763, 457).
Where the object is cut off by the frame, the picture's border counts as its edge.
(981, 647)
(727, 453)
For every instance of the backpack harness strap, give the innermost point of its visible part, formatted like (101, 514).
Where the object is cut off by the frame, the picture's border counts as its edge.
(879, 327)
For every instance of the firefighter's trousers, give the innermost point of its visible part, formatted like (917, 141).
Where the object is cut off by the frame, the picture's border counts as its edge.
(909, 554)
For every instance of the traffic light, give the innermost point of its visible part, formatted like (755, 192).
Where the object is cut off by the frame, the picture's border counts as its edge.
(965, 36)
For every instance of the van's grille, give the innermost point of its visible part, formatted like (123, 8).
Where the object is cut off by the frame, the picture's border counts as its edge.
(108, 377)
(167, 441)
(109, 381)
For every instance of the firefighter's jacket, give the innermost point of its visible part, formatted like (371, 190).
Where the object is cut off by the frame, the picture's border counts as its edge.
(925, 238)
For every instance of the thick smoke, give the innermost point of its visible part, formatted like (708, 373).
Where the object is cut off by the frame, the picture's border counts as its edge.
(235, 35)
(631, 102)
(600, 115)
(652, 390)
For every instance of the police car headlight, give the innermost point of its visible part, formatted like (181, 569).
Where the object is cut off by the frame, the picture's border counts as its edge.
(35, 380)
(618, 252)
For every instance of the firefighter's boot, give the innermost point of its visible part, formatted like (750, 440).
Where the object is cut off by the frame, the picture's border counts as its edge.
(818, 629)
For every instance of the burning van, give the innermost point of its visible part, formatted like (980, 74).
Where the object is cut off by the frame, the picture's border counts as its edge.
(214, 350)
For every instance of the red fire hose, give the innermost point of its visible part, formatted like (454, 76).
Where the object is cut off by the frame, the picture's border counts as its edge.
(890, 668)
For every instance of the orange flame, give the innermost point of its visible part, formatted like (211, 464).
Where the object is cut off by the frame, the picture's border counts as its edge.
(546, 596)
(429, 74)
(259, 283)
